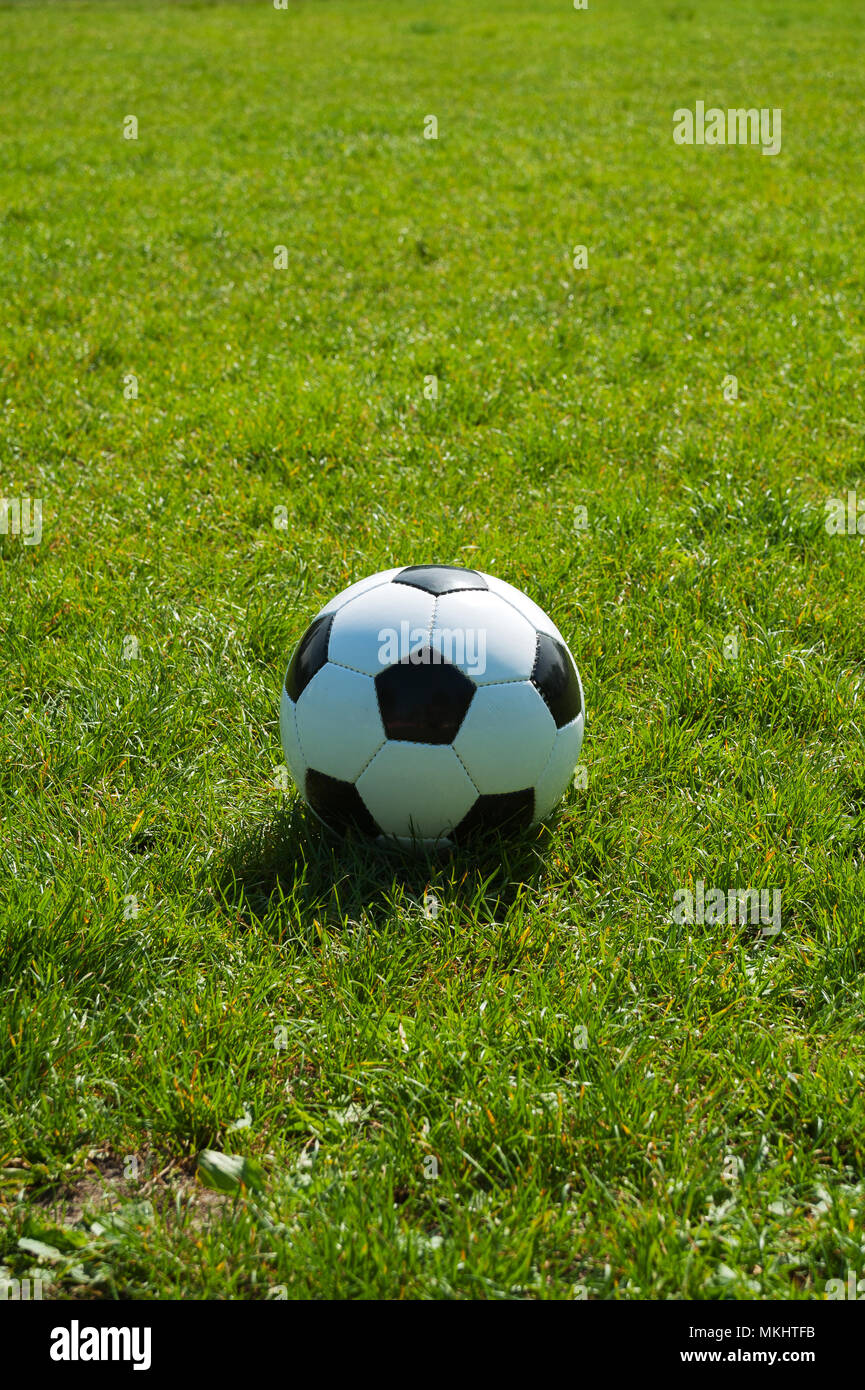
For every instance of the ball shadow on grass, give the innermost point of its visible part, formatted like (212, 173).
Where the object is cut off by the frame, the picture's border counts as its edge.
(291, 872)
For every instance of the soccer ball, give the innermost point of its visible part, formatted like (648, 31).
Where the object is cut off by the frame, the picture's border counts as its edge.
(429, 703)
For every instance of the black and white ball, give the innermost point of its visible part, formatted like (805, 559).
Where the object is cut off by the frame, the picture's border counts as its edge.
(428, 703)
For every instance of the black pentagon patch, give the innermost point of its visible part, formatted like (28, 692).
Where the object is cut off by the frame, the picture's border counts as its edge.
(423, 699)
(555, 677)
(338, 803)
(440, 579)
(505, 811)
(310, 654)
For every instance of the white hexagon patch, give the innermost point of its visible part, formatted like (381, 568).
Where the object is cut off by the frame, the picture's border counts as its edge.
(417, 789)
(339, 727)
(506, 737)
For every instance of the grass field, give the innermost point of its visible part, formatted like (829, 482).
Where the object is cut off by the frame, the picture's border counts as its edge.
(550, 1088)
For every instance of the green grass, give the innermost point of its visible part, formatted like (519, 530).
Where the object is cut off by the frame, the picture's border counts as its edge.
(426, 1118)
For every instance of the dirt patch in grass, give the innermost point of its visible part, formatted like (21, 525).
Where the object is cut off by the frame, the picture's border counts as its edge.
(110, 1181)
